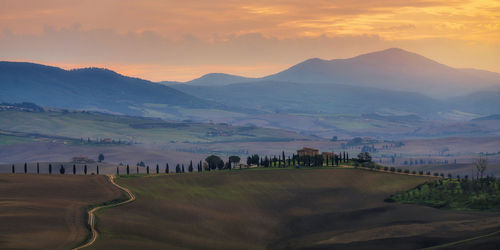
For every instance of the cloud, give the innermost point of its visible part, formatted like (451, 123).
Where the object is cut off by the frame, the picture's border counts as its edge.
(190, 35)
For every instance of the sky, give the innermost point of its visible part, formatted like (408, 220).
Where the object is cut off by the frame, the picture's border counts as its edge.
(179, 40)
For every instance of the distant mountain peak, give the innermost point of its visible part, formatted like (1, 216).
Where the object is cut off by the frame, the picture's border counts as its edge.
(218, 79)
(392, 69)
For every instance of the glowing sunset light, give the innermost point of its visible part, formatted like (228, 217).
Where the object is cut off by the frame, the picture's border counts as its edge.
(141, 38)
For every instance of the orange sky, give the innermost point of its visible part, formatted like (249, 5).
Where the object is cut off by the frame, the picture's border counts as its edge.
(181, 40)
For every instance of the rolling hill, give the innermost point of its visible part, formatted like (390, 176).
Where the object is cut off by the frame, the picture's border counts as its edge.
(322, 98)
(75, 127)
(92, 89)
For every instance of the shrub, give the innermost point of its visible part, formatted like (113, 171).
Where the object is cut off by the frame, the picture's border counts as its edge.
(436, 174)
(386, 168)
(414, 172)
(420, 172)
(399, 170)
(407, 171)
(428, 173)
(393, 169)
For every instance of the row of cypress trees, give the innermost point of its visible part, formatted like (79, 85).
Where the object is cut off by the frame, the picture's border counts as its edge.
(179, 168)
(62, 169)
(266, 161)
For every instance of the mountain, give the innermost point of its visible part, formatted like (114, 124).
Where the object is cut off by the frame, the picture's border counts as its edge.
(91, 89)
(218, 79)
(393, 69)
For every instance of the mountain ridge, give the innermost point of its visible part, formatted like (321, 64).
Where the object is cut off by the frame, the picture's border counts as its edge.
(392, 69)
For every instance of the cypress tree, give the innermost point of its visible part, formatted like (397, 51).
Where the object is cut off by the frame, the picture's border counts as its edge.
(201, 167)
(117, 171)
(283, 157)
(157, 169)
(74, 169)
(25, 168)
(347, 156)
(37, 168)
(128, 170)
(183, 168)
(327, 160)
(147, 169)
(13, 169)
(190, 169)
(137, 169)
(167, 170)
(97, 169)
(50, 168)
(178, 168)
(62, 170)
(344, 157)
(85, 169)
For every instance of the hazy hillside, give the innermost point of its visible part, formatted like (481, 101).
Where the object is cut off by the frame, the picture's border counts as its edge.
(91, 89)
(74, 125)
(218, 79)
(394, 69)
(287, 97)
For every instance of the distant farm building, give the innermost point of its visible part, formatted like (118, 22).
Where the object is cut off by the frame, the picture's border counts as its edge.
(307, 152)
(81, 159)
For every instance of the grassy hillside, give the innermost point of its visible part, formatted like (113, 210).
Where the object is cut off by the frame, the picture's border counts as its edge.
(277, 209)
(79, 125)
(47, 212)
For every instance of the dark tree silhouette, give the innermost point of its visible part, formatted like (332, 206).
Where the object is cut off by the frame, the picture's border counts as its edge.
(137, 169)
(25, 168)
(37, 168)
(283, 157)
(84, 169)
(147, 169)
(97, 169)
(13, 169)
(62, 170)
(50, 169)
(167, 170)
(117, 171)
(178, 168)
(234, 159)
(214, 162)
(100, 158)
(157, 169)
(128, 170)
(190, 168)
(183, 168)
(74, 169)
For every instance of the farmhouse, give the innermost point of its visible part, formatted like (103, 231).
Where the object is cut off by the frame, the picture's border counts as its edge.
(307, 152)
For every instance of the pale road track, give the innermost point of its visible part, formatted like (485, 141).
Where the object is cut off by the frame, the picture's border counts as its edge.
(92, 212)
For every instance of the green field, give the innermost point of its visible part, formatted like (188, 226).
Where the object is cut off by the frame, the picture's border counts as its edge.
(10, 140)
(133, 129)
(278, 209)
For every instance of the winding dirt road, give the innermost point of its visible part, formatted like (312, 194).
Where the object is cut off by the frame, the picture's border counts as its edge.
(92, 212)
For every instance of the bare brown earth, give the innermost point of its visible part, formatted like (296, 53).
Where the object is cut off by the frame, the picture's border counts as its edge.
(48, 211)
(282, 209)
